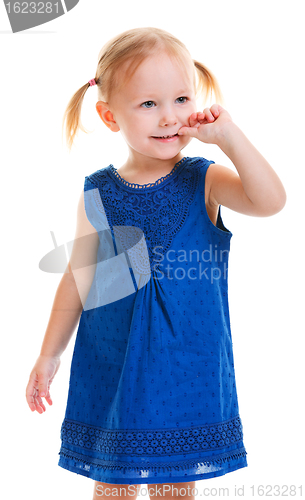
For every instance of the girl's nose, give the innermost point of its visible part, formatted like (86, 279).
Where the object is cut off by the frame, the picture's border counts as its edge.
(168, 117)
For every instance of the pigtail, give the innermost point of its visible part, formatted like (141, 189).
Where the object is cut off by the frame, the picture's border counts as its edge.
(207, 83)
(72, 115)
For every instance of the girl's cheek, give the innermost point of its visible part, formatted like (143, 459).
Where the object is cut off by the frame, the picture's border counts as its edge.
(191, 108)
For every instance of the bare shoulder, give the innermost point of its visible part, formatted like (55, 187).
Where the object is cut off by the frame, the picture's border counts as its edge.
(217, 176)
(224, 187)
(83, 225)
(86, 240)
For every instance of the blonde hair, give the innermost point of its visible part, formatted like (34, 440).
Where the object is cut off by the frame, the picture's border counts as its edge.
(134, 46)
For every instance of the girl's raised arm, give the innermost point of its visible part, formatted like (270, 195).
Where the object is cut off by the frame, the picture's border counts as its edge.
(256, 190)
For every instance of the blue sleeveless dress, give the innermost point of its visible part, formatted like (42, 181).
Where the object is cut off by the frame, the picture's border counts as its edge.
(152, 394)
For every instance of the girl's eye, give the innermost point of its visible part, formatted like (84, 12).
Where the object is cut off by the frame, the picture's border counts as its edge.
(148, 103)
(181, 100)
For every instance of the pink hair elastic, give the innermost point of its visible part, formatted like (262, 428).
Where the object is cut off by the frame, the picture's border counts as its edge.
(92, 82)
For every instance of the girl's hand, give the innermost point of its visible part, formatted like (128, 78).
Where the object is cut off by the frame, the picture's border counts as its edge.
(40, 380)
(207, 126)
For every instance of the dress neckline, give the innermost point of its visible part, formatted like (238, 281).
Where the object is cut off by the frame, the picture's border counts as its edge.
(151, 185)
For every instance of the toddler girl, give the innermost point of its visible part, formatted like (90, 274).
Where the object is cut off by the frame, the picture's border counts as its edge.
(152, 395)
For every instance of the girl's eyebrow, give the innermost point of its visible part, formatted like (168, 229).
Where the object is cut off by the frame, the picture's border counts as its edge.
(151, 95)
(184, 91)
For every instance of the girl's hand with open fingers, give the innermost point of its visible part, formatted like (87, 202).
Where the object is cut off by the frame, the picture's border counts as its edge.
(39, 383)
(208, 125)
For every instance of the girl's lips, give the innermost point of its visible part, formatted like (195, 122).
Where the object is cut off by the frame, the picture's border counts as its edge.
(171, 138)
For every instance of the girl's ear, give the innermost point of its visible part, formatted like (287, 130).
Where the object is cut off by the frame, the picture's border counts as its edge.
(106, 115)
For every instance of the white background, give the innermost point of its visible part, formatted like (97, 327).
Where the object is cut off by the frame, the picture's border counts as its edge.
(256, 50)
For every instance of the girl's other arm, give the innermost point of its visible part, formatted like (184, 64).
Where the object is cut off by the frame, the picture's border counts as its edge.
(66, 310)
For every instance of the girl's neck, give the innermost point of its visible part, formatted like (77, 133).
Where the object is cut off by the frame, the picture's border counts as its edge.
(145, 170)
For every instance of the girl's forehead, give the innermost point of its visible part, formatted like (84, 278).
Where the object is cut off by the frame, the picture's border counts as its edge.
(161, 68)
(164, 62)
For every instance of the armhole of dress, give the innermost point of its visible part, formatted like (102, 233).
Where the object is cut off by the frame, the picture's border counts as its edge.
(219, 222)
(220, 227)
(88, 187)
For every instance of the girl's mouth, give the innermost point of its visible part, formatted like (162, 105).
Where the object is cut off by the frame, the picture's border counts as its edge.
(167, 138)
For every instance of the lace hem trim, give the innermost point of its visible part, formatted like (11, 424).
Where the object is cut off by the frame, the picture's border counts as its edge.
(152, 442)
(151, 466)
